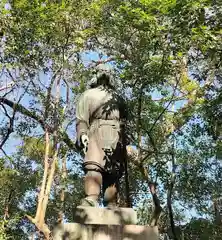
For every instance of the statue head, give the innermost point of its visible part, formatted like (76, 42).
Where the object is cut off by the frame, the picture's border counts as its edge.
(103, 76)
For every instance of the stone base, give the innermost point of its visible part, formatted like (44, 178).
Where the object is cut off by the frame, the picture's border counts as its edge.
(109, 216)
(104, 224)
(76, 231)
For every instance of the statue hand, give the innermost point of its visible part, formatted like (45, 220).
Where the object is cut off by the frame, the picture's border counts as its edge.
(84, 141)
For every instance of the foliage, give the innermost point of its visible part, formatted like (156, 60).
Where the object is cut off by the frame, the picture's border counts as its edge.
(167, 60)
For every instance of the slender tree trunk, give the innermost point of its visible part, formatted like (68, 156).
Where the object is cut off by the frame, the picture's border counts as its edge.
(62, 193)
(152, 186)
(157, 207)
(45, 174)
(48, 188)
(49, 172)
(39, 217)
(170, 208)
(170, 193)
(218, 219)
(156, 202)
(7, 204)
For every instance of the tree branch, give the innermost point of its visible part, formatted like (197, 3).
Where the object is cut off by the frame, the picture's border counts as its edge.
(21, 109)
(10, 128)
(110, 59)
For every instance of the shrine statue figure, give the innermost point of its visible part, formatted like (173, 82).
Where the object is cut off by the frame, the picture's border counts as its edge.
(101, 117)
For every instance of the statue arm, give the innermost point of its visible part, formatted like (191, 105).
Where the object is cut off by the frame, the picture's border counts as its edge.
(82, 116)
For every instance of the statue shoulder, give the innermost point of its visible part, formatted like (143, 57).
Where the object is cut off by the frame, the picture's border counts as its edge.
(82, 95)
(88, 94)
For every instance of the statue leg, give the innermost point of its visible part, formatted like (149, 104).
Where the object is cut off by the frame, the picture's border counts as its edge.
(92, 185)
(110, 190)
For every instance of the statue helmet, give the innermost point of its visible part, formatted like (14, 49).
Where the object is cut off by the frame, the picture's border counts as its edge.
(103, 75)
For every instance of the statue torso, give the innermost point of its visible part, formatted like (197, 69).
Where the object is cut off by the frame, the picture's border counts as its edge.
(103, 104)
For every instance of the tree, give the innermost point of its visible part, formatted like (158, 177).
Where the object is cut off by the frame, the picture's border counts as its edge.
(166, 56)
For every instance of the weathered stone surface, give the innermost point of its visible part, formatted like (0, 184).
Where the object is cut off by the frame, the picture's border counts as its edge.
(75, 231)
(104, 224)
(109, 216)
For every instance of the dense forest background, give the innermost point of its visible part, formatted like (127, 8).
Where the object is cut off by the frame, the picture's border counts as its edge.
(167, 60)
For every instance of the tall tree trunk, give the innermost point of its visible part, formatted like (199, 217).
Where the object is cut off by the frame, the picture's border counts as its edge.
(39, 219)
(62, 193)
(170, 193)
(49, 172)
(45, 175)
(157, 207)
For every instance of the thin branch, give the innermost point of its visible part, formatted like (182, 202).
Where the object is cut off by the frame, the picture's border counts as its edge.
(110, 59)
(10, 85)
(11, 119)
(10, 128)
(161, 114)
(6, 155)
(5, 111)
(19, 108)
(191, 105)
(49, 93)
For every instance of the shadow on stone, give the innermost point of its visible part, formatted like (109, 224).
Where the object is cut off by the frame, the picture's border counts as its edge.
(77, 231)
(113, 216)
(104, 224)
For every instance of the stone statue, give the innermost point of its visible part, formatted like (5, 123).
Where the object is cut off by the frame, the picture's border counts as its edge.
(101, 117)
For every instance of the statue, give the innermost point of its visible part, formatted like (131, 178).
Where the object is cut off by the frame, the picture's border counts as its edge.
(101, 117)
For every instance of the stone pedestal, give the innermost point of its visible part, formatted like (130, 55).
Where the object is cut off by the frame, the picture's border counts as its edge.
(109, 216)
(104, 224)
(76, 231)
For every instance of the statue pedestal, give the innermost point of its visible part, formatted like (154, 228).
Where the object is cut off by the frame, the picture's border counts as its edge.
(104, 224)
(108, 216)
